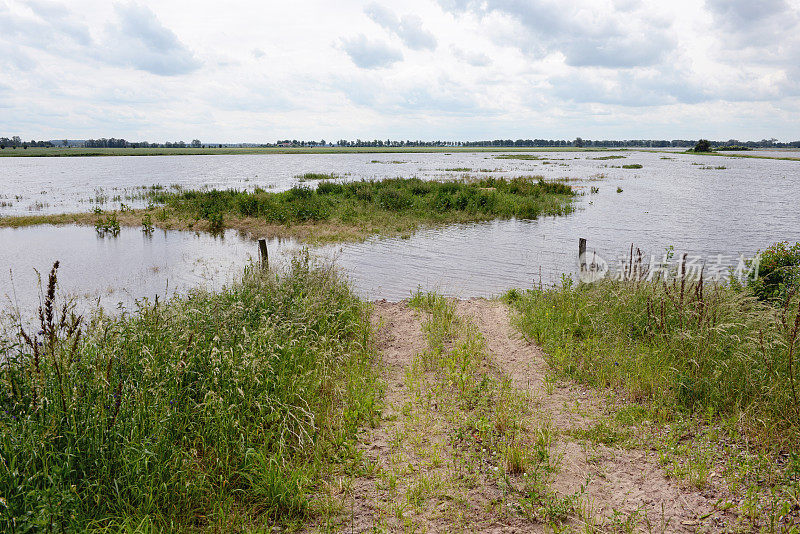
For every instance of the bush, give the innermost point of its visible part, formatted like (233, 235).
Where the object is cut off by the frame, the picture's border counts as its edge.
(703, 145)
(778, 272)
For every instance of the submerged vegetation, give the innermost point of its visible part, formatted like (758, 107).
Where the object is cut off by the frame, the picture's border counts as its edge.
(426, 201)
(518, 156)
(338, 211)
(201, 413)
(378, 206)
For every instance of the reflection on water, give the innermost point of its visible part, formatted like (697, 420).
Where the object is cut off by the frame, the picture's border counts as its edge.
(115, 271)
(697, 209)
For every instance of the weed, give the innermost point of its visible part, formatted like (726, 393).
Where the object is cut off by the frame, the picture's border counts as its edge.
(106, 224)
(147, 224)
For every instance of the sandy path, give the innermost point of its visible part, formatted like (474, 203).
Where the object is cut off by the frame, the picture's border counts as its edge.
(627, 481)
(400, 339)
(412, 447)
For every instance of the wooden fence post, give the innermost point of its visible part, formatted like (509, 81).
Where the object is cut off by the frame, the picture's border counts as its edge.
(263, 254)
(582, 254)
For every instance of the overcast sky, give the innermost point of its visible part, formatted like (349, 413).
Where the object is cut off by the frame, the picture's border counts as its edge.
(418, 69)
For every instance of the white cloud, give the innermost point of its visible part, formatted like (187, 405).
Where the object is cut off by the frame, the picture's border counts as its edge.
(408, 28)
(370, 54)
(140, 40)
(260, 71)
(474, 58)
(586, 33)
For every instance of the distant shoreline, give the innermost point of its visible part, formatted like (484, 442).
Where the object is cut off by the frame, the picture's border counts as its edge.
(86, 152)
(57, 152)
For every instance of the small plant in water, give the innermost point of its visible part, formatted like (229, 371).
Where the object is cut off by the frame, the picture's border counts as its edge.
(619, 189)
(147, 224)
(107, 224)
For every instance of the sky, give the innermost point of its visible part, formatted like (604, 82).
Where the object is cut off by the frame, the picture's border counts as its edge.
(259, 71)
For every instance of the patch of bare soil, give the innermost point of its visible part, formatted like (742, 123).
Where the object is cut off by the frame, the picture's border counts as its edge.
(415, 480)
(621, 486)
(420, 481)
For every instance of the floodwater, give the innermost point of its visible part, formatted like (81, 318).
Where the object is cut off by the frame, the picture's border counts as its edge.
(713, 208)
(37, 186)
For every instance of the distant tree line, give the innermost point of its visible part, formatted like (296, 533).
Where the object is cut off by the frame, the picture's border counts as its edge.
(112, 142)
(122, 143)
(15, 142)
(550, 143)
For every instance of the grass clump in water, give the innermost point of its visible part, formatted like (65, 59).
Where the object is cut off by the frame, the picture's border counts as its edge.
(208, 411)
(518, 156)
(387, 204)
(311, 176)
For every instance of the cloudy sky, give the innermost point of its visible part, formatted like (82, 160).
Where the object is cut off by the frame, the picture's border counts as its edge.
(420, 69)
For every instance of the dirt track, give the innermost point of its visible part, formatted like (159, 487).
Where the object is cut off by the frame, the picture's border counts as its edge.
(620, 489)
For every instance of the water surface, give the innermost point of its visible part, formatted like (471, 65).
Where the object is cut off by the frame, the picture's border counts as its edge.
(675, 199)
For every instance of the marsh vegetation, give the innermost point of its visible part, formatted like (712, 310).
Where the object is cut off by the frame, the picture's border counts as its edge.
(335, 210)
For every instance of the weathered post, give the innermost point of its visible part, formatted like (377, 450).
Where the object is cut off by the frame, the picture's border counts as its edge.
(582, 254)
(263, 254)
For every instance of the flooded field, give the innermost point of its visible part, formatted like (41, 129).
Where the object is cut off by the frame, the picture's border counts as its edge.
(30, 186)
(705, 206)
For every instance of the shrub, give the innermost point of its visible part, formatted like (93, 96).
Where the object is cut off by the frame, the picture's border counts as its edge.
(778, 272)
(703, 145)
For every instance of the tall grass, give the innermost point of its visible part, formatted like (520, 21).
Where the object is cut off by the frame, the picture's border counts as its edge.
(386, 200)
(713, 350)
(188, 414)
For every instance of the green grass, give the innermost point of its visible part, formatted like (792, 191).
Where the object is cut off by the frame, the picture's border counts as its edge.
(632, 166)
(209, 412)
(715, 351)
(386, 203)
(312, 176)
(753, 156)
(704, 376)
(518, 156)
(333, 211)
